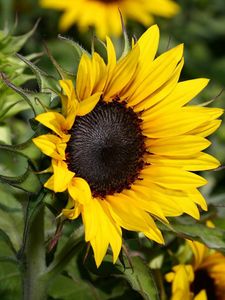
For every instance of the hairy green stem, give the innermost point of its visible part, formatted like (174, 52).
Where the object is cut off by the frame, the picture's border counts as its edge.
(34, 287)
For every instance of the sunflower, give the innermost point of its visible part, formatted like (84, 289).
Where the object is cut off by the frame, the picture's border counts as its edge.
(204, 279)
(104, 14)
(125, 143)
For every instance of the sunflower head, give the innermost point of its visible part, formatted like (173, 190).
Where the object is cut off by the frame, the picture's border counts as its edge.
(124, 143)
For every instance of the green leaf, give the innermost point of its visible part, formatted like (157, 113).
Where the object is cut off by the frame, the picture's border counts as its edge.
(141, 279)
(4, 236)
(27, 182)
(10, 281)
(11, 222)
(212, 237)
(135, 271)
(72, 246)
(66, 288)
(27, 149)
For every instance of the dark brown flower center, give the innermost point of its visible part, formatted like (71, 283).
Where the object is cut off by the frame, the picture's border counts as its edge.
(106, 148)
(203, 281)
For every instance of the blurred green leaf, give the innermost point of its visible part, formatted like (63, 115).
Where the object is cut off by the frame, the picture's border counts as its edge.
(212, 237)
(4, 236)
(65, 288)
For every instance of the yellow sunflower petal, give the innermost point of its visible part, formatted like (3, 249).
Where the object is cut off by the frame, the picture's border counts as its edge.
(198, 162)
(100, 73)
(183, 93)
(85, 78)
(67, 19)
(88, 104)
(54, 121)
(201, 295)
(68, 87)
(141, 200)
(159, 72)
(111, 54)
(206, 129)
(101, 230)
(181, 278)
(122, 74)
(79, 190)
(172, 178)
(51, 145)
(69, 102)
(168, 204)
(72, 210)
(200, 252)
(133, 219)
(148, 44)
(188, 145)
(61, 177)
(182, 121)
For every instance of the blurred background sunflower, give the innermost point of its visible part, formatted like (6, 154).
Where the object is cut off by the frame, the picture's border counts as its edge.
(103, 15)
(203, 279)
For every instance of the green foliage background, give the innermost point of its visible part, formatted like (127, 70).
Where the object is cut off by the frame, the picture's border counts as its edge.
(201, 27)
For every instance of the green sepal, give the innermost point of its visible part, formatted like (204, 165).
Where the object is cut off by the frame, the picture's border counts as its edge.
(62, 73)
(45, 81)
(127, 46)
(28, 182)
(78, 51)
(11, 44)
(38, 102)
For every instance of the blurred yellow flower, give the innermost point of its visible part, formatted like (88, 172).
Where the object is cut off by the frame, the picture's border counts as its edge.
(104, 14)
(204, 279)
(125, 142)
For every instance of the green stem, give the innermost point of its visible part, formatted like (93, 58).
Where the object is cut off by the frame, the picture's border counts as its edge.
(34, 287)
